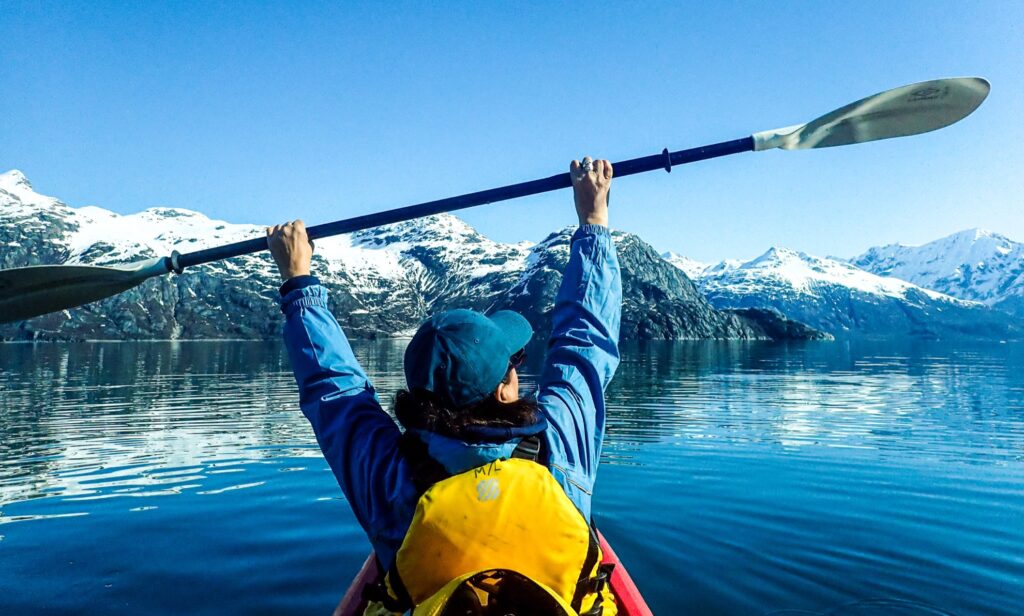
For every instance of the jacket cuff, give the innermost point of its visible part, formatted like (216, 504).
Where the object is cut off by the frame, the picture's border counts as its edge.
(298, 282)
(585, 230)
(303, 297)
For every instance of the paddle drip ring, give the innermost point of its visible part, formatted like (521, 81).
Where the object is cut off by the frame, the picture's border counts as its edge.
(176, 266)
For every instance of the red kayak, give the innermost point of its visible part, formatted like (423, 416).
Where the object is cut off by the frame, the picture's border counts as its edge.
(627, 596)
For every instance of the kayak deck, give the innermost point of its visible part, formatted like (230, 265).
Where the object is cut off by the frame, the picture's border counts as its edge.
(627, 595)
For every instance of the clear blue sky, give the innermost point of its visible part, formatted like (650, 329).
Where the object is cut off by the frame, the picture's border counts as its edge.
(258, 112)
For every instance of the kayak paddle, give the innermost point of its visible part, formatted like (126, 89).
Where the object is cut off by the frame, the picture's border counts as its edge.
(910, 110)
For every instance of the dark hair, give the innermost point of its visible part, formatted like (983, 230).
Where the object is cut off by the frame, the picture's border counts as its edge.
(423, 410)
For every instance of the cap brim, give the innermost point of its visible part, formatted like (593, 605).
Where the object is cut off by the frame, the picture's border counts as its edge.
(514, 326)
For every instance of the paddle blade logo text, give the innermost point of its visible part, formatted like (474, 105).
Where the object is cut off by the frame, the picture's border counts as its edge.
(927, 94)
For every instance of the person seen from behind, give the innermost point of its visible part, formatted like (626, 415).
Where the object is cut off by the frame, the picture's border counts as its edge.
(481, 504)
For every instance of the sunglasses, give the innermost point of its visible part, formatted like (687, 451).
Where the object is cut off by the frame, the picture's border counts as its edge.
(517, 359)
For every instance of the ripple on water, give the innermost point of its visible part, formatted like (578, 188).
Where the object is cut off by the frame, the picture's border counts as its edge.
(805, 479)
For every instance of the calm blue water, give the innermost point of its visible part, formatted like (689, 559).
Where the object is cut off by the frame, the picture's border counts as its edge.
(738, 478)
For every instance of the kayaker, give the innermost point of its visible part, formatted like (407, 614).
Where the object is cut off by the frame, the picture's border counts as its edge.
(457, 508)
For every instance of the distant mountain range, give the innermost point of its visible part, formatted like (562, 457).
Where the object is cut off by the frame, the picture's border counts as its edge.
(975, 265)
(383, 281)
(838, 297)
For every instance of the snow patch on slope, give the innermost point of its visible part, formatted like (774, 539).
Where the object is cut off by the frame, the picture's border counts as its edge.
(372, 260)
(157, 230)
(975, 264)
(16, 193)
(691, 267)
(800, 273)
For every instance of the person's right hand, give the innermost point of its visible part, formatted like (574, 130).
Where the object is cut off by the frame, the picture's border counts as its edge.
(291, 247)
(590, 191)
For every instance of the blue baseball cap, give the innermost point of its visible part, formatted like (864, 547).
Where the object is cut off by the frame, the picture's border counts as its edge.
(462, 355)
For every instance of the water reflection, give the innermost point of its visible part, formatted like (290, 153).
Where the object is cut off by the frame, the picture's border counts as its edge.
(834, 394)
(102, 420)
(765, 476)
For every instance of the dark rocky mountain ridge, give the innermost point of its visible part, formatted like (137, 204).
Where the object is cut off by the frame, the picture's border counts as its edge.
(382, 282)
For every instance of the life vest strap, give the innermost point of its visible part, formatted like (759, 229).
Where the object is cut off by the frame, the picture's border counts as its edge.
(596, 585)
(585, 581)
(528, 449)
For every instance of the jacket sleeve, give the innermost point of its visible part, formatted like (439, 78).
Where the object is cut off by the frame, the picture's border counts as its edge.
(358, 439)
(581, 359)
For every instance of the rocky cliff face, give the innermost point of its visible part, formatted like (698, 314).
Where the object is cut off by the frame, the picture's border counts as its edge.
(659, 301)
(382, 282)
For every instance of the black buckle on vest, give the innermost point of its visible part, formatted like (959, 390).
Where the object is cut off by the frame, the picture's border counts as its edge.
(528, 449)
(602, 577)
(596, 584)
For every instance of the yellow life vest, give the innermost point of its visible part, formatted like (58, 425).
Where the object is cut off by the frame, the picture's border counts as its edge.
(499, 531)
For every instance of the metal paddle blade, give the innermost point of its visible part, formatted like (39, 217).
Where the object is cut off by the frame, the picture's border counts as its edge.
(27, 292)
(900, 112)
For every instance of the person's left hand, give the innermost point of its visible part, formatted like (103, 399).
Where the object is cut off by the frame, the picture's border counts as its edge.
(291, 247)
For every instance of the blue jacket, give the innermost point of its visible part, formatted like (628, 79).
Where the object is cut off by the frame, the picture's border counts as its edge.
(360, 440)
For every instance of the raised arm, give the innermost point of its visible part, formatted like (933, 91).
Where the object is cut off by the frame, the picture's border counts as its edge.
(583, 350)
(358, 439)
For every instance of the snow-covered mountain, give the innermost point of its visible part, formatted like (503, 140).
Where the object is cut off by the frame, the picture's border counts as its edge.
(382, 281)
(975, 264)
(657, 297)
(691, 267)
(841, 299)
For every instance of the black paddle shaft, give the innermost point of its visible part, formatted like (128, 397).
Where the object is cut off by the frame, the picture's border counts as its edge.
(666, 160)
